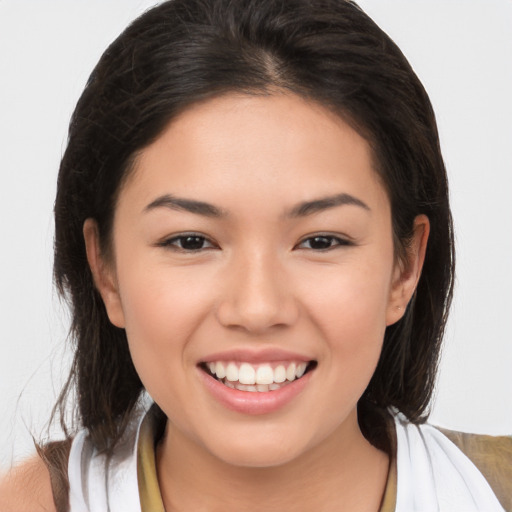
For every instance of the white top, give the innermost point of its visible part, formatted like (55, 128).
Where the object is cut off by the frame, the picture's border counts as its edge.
(98, 483)
(433, 475)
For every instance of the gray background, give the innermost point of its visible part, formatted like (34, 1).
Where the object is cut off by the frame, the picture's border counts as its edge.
(461, 50)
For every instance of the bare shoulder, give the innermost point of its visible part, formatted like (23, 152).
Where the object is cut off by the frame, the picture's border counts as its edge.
(27, 488)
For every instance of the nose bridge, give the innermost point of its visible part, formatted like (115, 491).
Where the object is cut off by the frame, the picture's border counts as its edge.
(258, 295)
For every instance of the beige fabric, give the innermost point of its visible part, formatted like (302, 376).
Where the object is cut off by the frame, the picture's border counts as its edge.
(492, 455)
(389, 499)
(149, 491)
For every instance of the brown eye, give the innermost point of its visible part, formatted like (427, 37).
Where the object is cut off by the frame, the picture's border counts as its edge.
(188, 243)
(192, 243)
(322, 242)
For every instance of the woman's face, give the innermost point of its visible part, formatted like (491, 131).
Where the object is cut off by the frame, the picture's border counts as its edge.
(254, 239)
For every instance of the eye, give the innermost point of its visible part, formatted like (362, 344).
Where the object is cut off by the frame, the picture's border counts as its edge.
(322, 242)
(189, 242)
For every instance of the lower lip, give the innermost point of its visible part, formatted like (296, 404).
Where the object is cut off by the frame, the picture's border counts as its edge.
(256, 402)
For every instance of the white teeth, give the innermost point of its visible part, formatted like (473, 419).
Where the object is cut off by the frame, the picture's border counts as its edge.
(232, 372)
(280, 374)
(246, 387)
(256, 377)
(264, 375)
(301, 368)
(261, 388)
(220, 371)
(290, 372)
(229, 384)
(246, 374)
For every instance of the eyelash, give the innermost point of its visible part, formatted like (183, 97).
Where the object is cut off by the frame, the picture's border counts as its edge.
(171, 243)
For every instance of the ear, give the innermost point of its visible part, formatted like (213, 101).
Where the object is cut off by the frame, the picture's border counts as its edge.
(408, 271)
(103, 273)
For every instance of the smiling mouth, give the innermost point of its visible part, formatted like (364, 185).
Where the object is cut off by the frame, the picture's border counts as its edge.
(260, 378)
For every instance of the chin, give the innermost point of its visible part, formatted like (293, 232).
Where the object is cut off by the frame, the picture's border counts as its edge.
(255, 452)
(257, 458)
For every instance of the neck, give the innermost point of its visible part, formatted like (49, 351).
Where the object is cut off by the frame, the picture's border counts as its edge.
(344, 472)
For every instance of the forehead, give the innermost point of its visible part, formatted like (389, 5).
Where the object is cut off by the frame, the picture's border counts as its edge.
(276, 149)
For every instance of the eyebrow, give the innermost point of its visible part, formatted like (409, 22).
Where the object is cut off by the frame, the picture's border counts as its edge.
(209, 210)
(324, 203)
(186, 205)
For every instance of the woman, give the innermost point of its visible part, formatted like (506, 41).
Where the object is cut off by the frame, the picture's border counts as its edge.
(252, 225)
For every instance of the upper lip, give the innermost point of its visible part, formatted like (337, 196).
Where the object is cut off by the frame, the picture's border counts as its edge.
(266, 355)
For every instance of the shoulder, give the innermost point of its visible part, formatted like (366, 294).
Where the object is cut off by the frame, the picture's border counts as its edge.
(38, 484)
(492, 455)
(27, 488)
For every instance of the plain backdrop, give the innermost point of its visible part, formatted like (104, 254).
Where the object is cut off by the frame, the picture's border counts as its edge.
(461, 50)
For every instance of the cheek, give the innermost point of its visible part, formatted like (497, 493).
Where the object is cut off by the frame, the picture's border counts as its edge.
(350, 311)
(156, 294)
(162, 308)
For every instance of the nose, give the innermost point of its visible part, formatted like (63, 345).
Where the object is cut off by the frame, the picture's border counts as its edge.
(257, 295)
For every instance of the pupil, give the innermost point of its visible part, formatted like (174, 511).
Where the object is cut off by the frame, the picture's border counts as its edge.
(320, 242)
(192, 242)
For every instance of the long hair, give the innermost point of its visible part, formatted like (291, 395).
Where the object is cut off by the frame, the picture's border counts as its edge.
(185, 51)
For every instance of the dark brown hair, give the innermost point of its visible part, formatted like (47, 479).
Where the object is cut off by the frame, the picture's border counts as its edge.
(185, 51)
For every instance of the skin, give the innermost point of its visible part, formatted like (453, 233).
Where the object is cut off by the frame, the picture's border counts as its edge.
(257, 282)
(27, 488)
